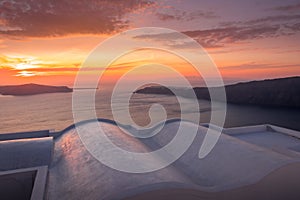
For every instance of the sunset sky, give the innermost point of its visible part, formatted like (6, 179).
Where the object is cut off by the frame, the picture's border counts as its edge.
(46, 41)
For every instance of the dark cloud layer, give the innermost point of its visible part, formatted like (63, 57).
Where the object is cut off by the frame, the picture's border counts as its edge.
(221, 36)
(185, 16)
(62, 17)
(288, 8)
(217, 37)
(275, 19)
(231, 32)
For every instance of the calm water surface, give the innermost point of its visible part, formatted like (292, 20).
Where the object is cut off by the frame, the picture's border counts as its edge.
(54, 111)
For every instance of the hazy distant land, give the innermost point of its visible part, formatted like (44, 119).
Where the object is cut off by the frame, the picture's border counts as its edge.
(32, 89)
(283, 92)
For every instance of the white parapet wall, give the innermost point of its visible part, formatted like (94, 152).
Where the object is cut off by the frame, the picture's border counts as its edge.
(25, 153)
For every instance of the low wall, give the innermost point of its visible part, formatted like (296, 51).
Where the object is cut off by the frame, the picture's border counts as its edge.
(24, 135)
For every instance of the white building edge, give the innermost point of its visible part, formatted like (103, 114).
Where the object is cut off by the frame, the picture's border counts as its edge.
(255, 162)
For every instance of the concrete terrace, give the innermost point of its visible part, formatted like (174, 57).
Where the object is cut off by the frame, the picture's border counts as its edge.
(247, 162)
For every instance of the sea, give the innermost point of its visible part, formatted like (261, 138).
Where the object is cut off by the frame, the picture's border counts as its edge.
(54, 111)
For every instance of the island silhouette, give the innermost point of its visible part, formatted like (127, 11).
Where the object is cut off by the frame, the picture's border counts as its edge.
(32, 89)
(282, 92)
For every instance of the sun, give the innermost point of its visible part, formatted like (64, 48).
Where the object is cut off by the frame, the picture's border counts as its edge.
(24, 66)
(25, 74)
(24, 69)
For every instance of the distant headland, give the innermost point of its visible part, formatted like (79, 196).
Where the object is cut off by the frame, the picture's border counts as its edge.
(32, 89)
(282, 92)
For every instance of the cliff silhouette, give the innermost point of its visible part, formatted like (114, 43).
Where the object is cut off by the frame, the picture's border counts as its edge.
(283, 92)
